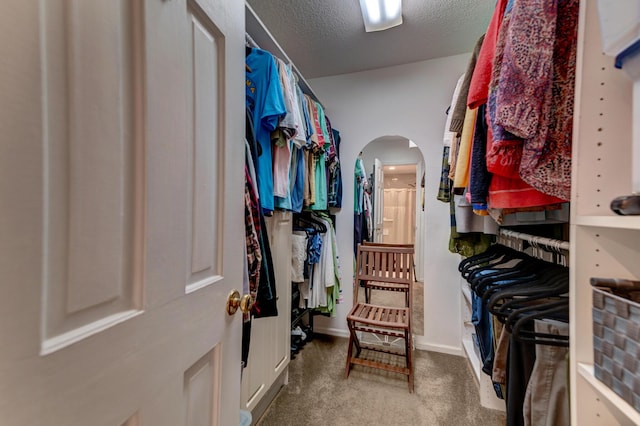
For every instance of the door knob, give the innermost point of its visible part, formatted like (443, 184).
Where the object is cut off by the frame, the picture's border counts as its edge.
(234, 301)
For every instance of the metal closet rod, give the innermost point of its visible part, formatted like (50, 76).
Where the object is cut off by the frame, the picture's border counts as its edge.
(250, 41)
(535, 240)
(256, 30)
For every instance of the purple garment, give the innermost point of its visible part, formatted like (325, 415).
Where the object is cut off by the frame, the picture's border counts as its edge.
(526, 72)
(535, 95)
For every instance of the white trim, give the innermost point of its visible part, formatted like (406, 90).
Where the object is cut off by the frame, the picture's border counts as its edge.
(419, 341)
(337, 332)
(422, 344)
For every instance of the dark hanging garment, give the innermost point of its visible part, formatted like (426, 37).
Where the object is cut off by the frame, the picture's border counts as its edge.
(335, 186)
(444, 188)
(266, 301)
(520, 362)
(251, 138)
(479, 177)
(246, 341)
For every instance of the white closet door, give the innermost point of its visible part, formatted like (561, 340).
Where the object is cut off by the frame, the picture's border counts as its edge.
(120, 189)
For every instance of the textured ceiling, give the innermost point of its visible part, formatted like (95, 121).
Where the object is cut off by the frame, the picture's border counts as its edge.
(327, 37)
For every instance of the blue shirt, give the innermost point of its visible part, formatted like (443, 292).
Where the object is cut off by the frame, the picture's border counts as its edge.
(266, 102)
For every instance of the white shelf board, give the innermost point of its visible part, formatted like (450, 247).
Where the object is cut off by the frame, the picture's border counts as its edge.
(472, 357)
(620, 408)
(614, 222)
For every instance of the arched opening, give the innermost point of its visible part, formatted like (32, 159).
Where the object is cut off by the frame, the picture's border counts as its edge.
(388, 203)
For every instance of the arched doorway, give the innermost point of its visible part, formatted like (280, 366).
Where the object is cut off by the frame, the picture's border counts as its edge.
(391, 170)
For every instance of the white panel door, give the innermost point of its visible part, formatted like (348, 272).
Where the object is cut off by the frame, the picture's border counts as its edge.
(378, 201)
(121, 211)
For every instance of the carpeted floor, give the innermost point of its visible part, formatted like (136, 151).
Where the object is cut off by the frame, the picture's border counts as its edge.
(317, 394)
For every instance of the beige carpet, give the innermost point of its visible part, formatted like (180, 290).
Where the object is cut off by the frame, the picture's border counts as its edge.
(317, 393)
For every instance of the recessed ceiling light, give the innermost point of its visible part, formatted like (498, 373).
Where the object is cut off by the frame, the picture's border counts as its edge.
(380, 15)
(392, 167)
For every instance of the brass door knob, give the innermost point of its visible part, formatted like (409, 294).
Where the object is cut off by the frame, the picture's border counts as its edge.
(234, 301)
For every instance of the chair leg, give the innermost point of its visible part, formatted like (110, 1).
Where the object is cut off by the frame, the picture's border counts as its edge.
(356, 341)
(353, 339)
(409, 358)
(347, 369)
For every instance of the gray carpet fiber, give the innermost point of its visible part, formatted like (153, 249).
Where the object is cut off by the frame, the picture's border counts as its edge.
(317, 393)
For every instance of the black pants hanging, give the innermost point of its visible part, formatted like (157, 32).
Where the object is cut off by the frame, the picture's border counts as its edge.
(522, 356)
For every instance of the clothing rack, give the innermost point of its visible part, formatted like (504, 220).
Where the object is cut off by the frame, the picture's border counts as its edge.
(257, 35)
(250, 41)
(534, 240)
(557, 250)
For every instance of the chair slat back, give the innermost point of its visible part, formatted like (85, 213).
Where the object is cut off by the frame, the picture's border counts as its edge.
(382, 263)
(385, 264)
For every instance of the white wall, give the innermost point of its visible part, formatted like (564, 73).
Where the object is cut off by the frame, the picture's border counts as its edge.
(408, 101)
(389, 150)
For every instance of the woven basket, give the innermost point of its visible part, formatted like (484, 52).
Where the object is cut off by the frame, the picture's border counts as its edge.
(616, 336)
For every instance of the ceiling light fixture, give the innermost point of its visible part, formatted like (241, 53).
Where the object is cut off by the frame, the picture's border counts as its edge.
(380, 15)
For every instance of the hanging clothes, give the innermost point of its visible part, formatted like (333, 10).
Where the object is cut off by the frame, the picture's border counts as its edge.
(282, 141)
(320, 289)
(461, 177)
(526, 357)
(265, 100)
(326, 278)
(298, 256)
(310, 178)
(252, 231)
(334, 195)
(460, 107)
(320, 182)
(546, 400)
(449, 138)
(362, 205)
(444, 188)
(541, 111)
(504, 150)
(479, 86)
(479, 176)
(297, 176)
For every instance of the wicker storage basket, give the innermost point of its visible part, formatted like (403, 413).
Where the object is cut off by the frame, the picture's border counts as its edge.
(616, 336)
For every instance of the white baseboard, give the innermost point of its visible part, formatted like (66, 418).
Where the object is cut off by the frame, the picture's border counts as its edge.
(419, 341)
(423, 345)
(337, 332)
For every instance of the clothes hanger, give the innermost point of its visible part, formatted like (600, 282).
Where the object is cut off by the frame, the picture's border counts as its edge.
(496, 254)
(552, 283)
(499, 284)
(558, 311)
(492, 252)
(315, 224)
(521, 305)
(485, 275)
(526, 268)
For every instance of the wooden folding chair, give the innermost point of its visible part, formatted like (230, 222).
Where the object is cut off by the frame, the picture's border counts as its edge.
(387, 323)
(395, 269)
